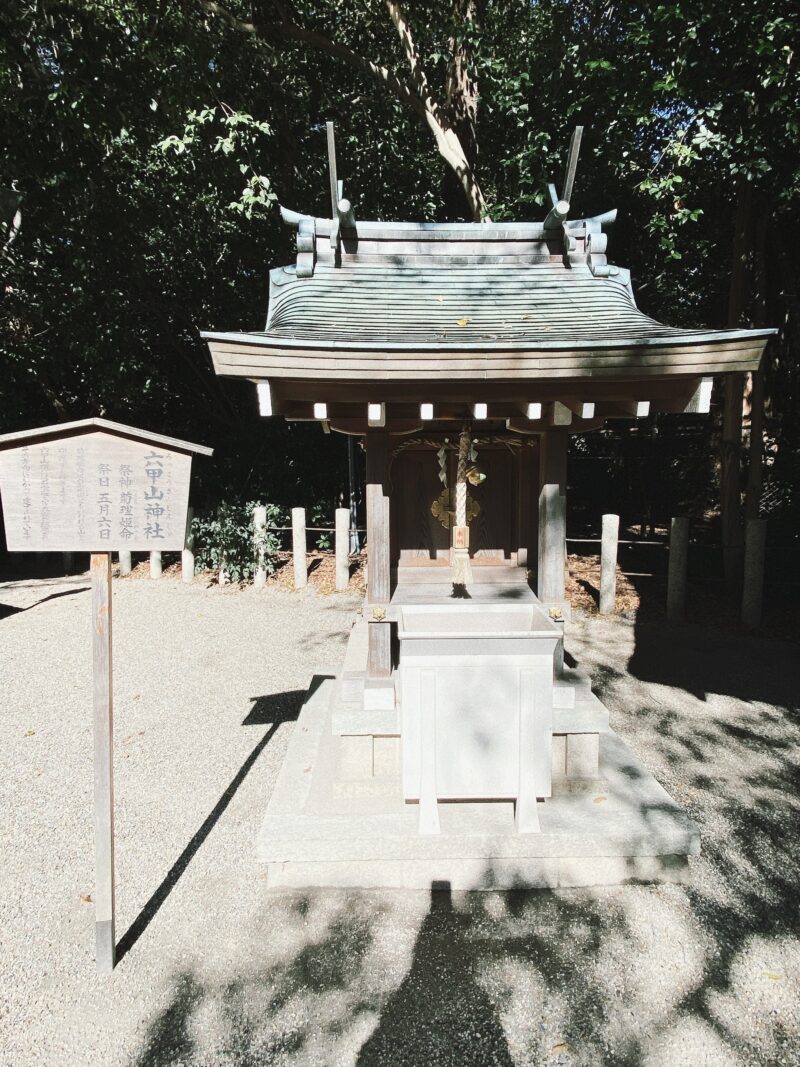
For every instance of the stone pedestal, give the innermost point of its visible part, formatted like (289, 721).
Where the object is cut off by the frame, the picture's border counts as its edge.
(471, 763)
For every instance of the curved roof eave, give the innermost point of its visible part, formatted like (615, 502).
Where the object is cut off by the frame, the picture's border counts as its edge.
(679, 339)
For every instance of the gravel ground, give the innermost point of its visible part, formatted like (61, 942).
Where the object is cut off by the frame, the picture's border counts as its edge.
(218, 970)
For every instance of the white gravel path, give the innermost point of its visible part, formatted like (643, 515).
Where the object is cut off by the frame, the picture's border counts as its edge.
(219, 970)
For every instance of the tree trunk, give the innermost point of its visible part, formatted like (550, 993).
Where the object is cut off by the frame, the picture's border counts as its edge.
(755, 470)
(730, 466)
(461, 97)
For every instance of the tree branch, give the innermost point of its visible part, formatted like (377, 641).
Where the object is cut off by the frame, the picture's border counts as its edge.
(13, 232)
(411, 51)
(291, 31)
(416, 95)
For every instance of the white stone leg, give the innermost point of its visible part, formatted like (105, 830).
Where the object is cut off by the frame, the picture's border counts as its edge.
(541, 756)
(526, 813)
(428, 807)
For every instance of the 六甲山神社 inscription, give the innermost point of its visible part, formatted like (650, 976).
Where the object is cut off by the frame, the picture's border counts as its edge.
(96, 492)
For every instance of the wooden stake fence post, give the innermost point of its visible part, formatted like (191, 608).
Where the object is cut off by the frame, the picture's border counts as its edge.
(753, 588)
(608, 564)
(260, 528)
(104, 905)
(678, 565)
(299, 547)
(187, 555)
(342, 548)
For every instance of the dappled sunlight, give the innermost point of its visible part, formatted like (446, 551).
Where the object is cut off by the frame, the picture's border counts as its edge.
(318, 996)
(733, 762)
(706, 972)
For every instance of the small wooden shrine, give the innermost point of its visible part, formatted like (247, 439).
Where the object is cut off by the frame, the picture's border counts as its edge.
(462, 356)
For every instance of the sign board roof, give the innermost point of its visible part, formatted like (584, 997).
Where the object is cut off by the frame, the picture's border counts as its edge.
(94, 486)
(68, 429)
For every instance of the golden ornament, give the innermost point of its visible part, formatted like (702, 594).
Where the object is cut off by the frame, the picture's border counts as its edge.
(444, 508)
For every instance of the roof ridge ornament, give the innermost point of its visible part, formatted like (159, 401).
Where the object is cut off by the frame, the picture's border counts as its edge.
(556, 218)
(306, 247)
(342, 217)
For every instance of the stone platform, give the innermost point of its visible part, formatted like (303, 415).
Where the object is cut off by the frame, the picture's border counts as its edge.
(317, 833)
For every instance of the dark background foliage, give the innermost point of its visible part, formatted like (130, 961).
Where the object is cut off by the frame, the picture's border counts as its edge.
(130, 131)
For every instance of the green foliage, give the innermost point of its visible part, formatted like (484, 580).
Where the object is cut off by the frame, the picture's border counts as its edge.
(225, 539)
(320, 515)
(235, 133)
(145, 146)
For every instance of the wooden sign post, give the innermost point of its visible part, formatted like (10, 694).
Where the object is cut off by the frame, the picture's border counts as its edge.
(98, 487)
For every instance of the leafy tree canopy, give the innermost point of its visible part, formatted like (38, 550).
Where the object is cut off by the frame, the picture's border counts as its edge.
(146, 146)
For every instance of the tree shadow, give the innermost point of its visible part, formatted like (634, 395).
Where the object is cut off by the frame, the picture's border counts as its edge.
(703, 659)
(537, 975)
(526, 975)
(265, 1012)
(275, 710)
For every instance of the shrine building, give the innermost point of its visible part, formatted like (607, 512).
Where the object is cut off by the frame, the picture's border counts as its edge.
(455, 744)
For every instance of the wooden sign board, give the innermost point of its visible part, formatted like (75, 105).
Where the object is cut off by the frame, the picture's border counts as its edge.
(100, 487)
(94, 486)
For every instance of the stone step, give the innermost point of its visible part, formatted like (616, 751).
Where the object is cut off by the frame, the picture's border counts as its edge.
(563, 694)
(352, 717)
(495, 573)
(575, 677)
(588, 716)
(379, 694)
(353, 789)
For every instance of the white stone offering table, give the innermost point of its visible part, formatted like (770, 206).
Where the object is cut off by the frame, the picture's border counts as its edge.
(476, 685)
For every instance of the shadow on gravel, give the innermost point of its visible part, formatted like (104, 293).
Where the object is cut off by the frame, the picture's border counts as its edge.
(274, 710)
(521, 977)
(440, 1013)
(701, 660)
(274, 1013)
(709, 659)
(723, 736)
(9, 609)
(625, 976)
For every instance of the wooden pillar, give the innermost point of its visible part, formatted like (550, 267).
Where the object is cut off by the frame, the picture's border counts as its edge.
(730, 479)
(550, 582)
(753, 585)
(105, 940)
(379, 589)
(755, 460)
(526, 534)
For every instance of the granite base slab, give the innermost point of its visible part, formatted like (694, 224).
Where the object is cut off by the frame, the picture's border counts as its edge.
(311, 836)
